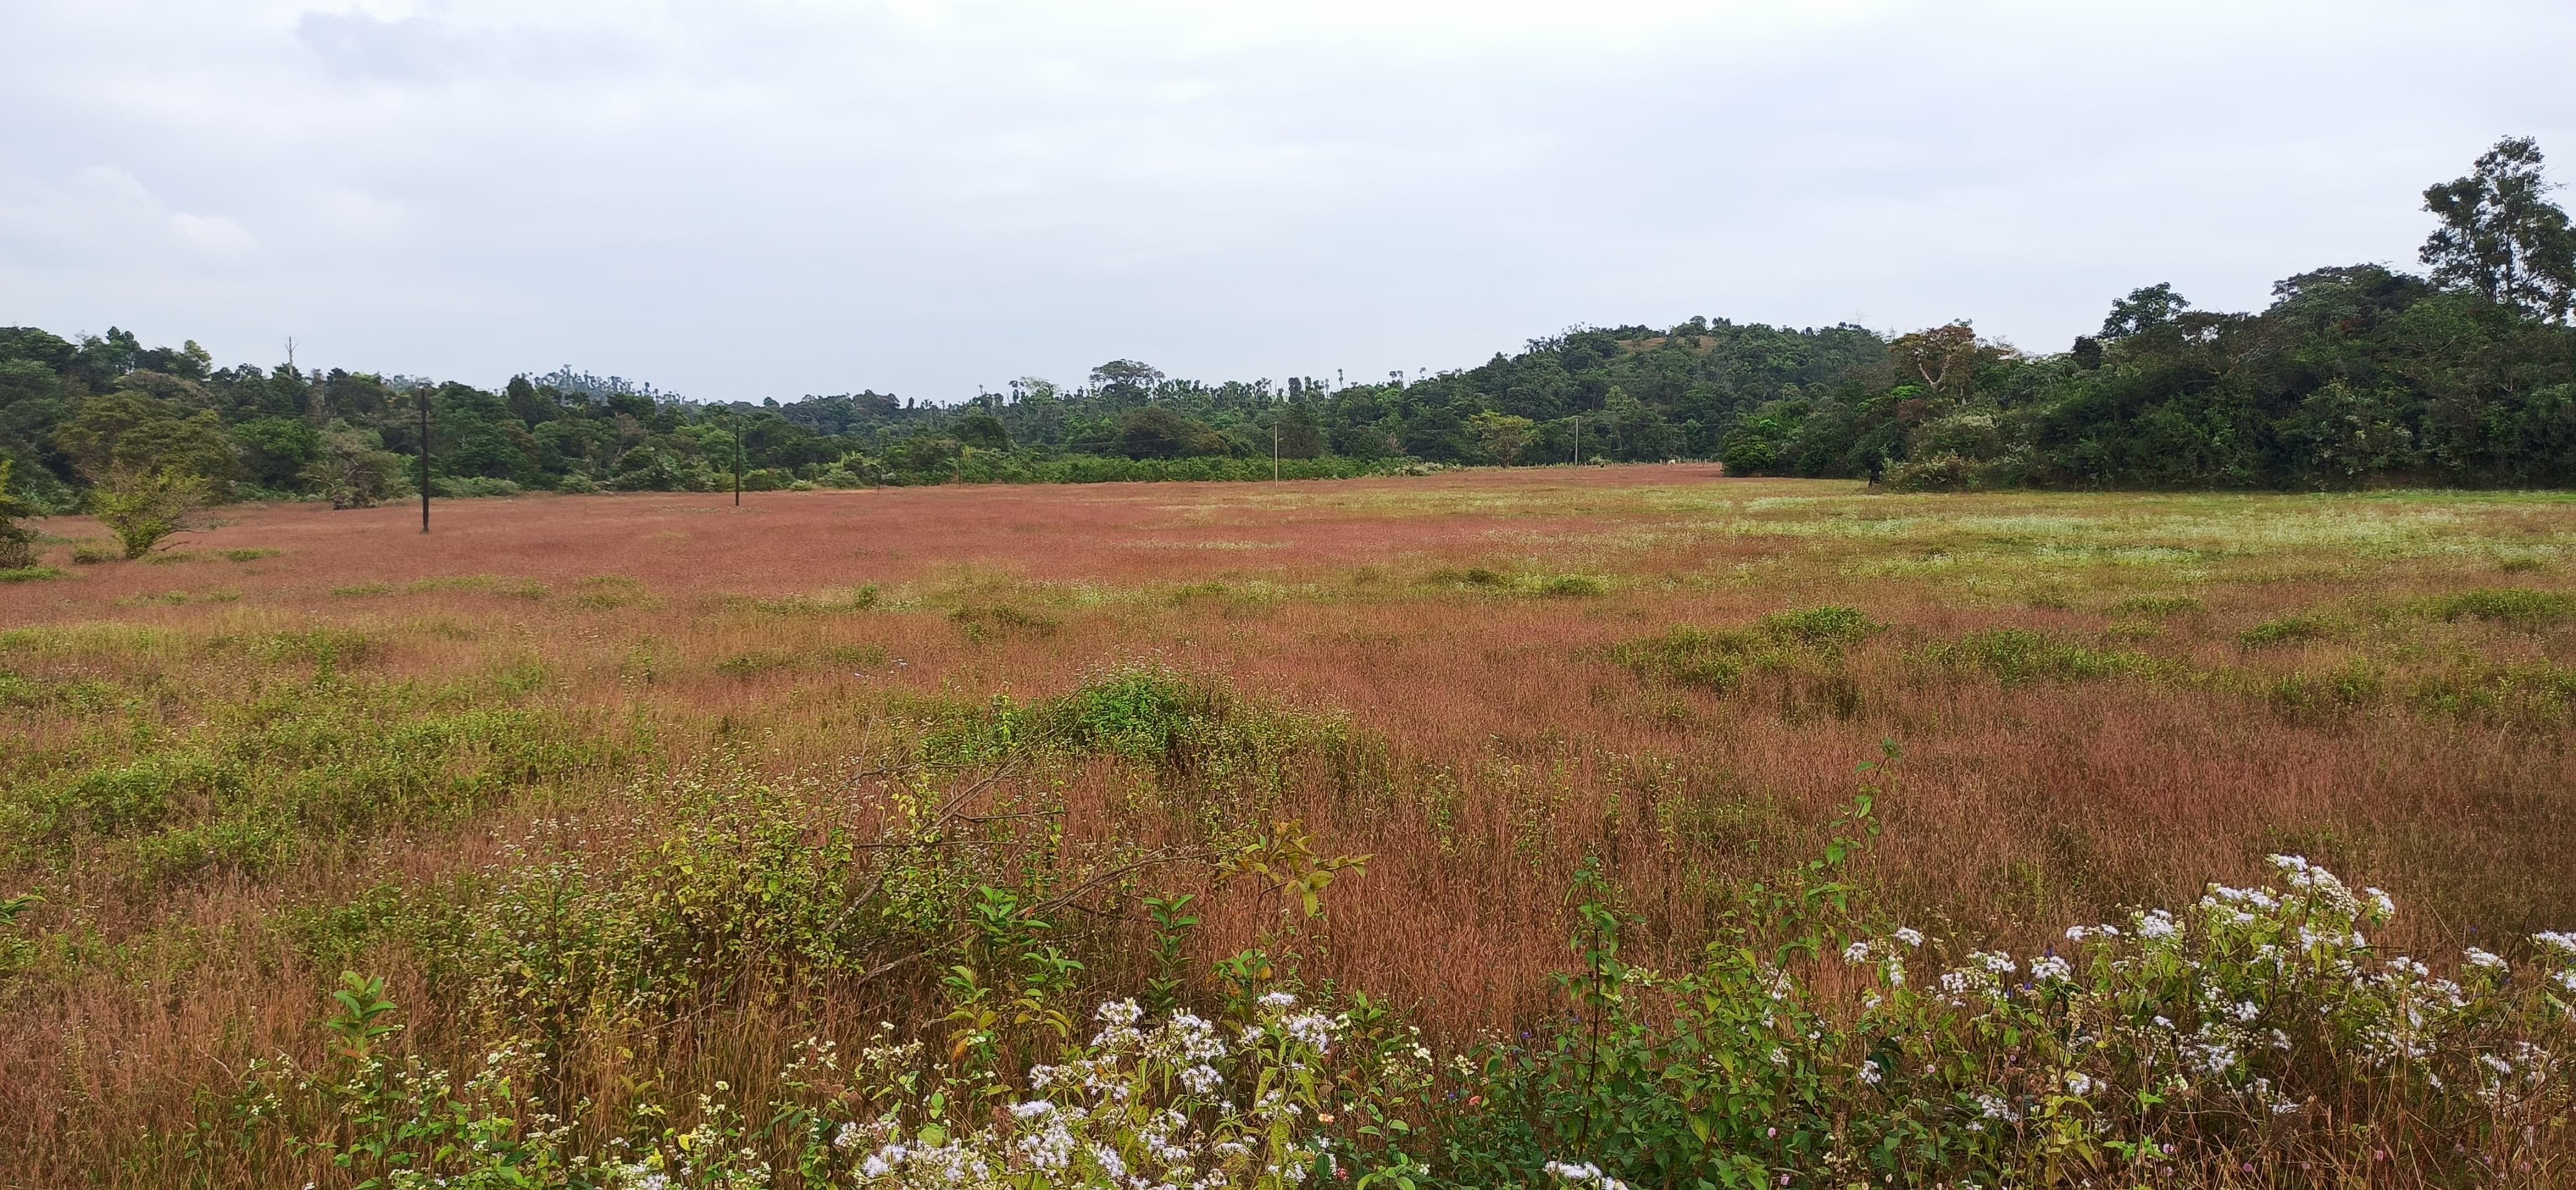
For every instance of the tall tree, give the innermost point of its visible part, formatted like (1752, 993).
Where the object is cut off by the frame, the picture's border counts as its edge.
(2143, 310)
(2501, 237)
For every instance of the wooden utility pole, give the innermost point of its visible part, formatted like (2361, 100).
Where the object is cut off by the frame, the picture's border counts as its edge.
(1274, 450)
(1578, 440)
(424, 458)
(733, 423)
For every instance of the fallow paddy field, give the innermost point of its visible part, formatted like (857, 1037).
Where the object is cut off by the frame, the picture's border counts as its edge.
(1546, 827)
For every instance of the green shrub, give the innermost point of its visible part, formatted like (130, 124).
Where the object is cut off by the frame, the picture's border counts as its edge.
(17, 540)
(144, 508)
(470, 487)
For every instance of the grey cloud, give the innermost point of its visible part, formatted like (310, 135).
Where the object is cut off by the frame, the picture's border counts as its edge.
(766, 199)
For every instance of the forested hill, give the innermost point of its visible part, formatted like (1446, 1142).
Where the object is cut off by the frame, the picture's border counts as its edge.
(2351, 376)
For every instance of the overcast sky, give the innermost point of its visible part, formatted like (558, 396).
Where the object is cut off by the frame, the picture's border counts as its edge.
(752, 198)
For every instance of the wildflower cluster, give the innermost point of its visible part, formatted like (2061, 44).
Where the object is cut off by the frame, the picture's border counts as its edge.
(1171, 1105)
(2255, 1020)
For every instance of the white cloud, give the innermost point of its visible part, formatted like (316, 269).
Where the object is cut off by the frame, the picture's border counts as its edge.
(767, 197)
(102, 217)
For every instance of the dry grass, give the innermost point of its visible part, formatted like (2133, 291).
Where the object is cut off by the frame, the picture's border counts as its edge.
(1470, 624)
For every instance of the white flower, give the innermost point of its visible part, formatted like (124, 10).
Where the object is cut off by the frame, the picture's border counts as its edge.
(1120, 1013)
(1869, 1072)
(1279, 1000)
(1909, 935)
(2558, 940)
(1031, 1109)
(1313, 1028)
(2480, 958)
(1585, 1173)
(2078, 1085)
(2381, 901)
(1857, 952)
(2157, 924)
(2050, 969)
(846, 1138)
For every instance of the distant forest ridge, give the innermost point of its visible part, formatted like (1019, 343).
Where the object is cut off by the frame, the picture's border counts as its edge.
(2352, 376)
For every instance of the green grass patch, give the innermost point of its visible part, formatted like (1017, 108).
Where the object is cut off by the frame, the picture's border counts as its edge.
(753, 664)
(2289, 630)
(2514, 607)
(2158, 606)
(1831, 626)
(253, 782)
(248, 555)
(986, 622)
(1809, 639)
(870, 656)
(1482, 578)
(2017, 655)
(91, 640)
(1709, 659)
(30, 574)
(326, 647)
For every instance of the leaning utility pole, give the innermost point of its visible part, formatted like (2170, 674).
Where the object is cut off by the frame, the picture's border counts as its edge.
(424, 458)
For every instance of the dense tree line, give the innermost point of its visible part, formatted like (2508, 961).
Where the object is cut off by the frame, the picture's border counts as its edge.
(2353, 375)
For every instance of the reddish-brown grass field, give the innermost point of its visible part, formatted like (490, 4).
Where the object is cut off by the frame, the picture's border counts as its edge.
(2311, 681)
